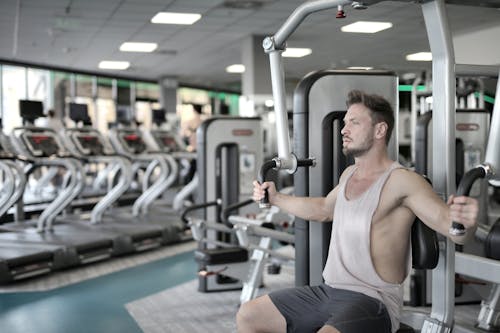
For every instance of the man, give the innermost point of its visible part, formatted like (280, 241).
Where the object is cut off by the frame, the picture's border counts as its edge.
(373, 208)
(54, 122)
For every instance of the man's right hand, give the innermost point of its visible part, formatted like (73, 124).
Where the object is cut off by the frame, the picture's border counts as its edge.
(259, 190)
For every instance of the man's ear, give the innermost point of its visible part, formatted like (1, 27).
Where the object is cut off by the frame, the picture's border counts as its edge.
(381, 130)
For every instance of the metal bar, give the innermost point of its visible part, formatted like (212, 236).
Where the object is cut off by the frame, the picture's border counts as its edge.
(477, 267)
(492, 157)
(443, 168)
(219, 227)
(235, 219)
(277, 72)
(272, 253)
(413, 117)
(299, 14)
(274, 234)
(114, 193)
(279, 95)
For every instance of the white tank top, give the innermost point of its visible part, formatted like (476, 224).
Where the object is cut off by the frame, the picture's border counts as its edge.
(349, 264)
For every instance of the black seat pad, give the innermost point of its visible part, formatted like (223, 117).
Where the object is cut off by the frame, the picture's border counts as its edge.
(225, 255)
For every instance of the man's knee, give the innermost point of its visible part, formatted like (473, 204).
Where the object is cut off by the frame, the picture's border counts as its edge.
(246, 314)
(328, 329)
(260, 315)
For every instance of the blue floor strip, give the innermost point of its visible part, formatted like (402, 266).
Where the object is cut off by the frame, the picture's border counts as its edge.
(96, 305)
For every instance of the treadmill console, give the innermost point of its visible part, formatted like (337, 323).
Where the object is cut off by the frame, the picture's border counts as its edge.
(132, 142)
(41, 144)
(166, 141)
(89, 144)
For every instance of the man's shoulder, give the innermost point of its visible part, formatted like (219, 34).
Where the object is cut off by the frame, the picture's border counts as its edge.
(406, 178)
(346, 171)
(402, 172)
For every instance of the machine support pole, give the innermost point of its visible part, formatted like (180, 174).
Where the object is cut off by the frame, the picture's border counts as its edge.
(279, 95)
(443, 176)
(274, 46)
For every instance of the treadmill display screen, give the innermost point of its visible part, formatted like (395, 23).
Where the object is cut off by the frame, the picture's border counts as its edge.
(168, 143)
(134, 143)
(91, 143)
(44, 144)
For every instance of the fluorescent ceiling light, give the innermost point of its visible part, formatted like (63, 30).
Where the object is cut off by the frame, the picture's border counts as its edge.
(420, 56)
(366, 27)
(120, 65)
(175, 18)
(138, 47)
(269, 103)
(360, 68)
(236, 68)
(296, 52)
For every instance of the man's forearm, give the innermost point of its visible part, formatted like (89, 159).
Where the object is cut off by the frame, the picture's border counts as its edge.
(306, 208)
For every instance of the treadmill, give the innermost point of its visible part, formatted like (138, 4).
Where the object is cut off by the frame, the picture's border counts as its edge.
(70, 246)
(18, 261)
(130, 142)
(88, 144)
(166, 143)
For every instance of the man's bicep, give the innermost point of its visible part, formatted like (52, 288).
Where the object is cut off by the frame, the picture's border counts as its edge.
(427, 205)
(330, 200)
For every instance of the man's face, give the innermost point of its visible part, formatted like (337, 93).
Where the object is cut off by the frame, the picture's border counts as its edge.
(358, 131)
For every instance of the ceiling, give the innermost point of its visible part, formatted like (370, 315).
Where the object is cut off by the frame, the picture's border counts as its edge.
(77, 34)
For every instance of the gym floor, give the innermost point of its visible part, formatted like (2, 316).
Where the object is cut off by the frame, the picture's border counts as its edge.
(156, 290)
(93, 305)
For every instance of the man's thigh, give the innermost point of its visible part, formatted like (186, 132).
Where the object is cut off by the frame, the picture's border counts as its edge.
(308, 309)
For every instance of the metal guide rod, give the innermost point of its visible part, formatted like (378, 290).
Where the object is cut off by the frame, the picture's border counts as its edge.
(443, 168)
(279, 95)
(492, 157)
(274, 46)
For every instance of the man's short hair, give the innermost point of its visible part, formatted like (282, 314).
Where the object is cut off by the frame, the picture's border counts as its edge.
(381, 109)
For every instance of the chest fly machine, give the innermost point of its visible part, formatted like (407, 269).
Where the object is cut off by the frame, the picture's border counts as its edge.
(229, 150)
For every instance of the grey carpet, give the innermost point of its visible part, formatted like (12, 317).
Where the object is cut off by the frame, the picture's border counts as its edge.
(183, 309)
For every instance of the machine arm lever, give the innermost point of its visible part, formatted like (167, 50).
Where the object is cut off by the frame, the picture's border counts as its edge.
(199, 206)
(230, 208)
(464, 187)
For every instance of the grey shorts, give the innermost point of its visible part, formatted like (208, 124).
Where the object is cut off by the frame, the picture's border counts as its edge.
(307, 309)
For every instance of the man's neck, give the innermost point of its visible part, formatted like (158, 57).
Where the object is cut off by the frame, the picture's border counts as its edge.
(372, 163)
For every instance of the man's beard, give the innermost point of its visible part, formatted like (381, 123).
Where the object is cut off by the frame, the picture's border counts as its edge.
(358, 151)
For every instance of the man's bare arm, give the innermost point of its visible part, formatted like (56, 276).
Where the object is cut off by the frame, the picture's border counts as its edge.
(421, 199)
(313, 209)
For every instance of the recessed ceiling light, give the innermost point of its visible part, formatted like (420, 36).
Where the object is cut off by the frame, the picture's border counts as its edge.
(236, 68)
(420, 56)
(269, 103)
(296, 52)
(138, 47)
(119, 65)
(360, 68)
(366, 27)
(175, 18)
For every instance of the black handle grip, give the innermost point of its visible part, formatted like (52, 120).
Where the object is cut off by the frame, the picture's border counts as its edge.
(464, 187)
(264, 202)
(457, 229)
